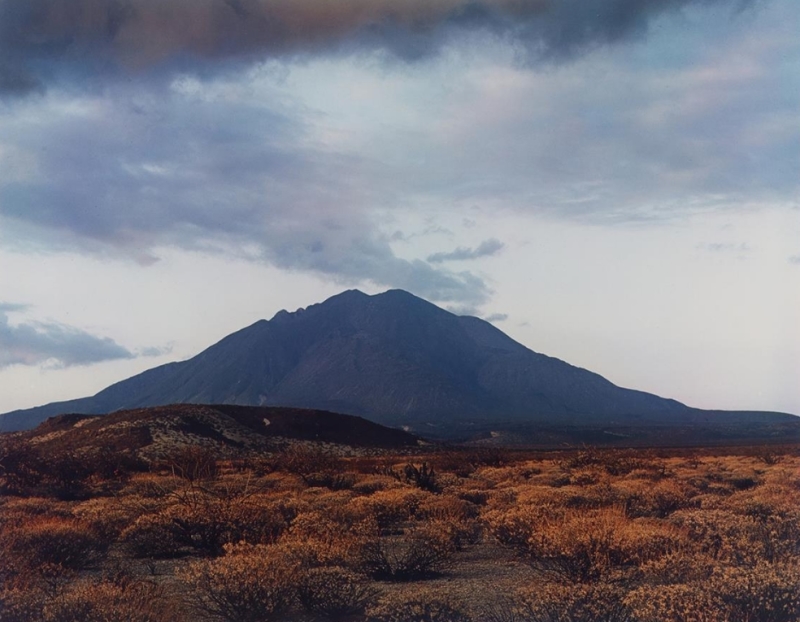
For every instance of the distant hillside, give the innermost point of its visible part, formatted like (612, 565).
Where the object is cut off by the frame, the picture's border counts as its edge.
(228, 429)
(392, 358)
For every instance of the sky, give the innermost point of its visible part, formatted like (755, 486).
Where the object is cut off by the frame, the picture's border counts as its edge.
(616, 183)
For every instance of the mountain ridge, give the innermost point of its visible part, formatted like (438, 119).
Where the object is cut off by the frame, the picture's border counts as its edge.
(228, 430)
(392, 357)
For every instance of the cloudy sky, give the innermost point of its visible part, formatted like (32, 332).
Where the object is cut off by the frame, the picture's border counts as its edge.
(614, 183)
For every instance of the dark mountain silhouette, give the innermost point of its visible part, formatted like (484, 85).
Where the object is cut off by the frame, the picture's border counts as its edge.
(392, 358)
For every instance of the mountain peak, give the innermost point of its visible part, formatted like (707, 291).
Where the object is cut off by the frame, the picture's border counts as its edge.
(390, 357)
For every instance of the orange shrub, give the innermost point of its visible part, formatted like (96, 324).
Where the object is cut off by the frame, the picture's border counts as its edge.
(248, 584)
(59, 541)
(584, 545)
(563, 602)
(152, 536)
(321, 539)
(761, 593)
(103, 601)
(389, 508)
(334, 592)
(425, 606)
(675, 603)
(21, 603)
(417, 554)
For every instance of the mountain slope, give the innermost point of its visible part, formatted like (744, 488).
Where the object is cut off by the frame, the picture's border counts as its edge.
(393, 358)
(229, 430)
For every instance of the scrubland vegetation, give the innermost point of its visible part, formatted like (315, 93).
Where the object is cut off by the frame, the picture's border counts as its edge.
(480, 535)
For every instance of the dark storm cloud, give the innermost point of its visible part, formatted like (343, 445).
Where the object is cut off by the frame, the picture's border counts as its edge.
(35, 343)
(462, 253)
(41, 40)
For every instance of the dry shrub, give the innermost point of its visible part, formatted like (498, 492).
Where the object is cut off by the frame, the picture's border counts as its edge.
(19, 510)
(152, 536)
(63, 542)
(325, 500)
(21, 604)
(426, 606)
(319, 539)
(594, 496)
(451, 516)
(459, 533)
(657, 501)
(514, 526)
(104, 601)
(204, 521)
(373, 483)
(676, 567)
(249, 584)
(740, 538)
(193, 463)
(334, 592)
(476, 497)
(560, 602)
(389, 508)
(423, 477)
(21, 466)
(420, 553)
(584, 546)
(445, 507)
(675, 603)
(761, 593)
(152, 487)
(107, 517)
(504, 609)
(307, 461)
(330, 480)
(614, 462)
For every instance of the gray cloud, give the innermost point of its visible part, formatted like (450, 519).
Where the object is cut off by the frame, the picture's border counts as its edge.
(42, 40)
(166, 172)
(725, 247)
(496, 317)
(202, 163)
(35, 343)
(462, 253)
(795, 259)
(154, 351)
